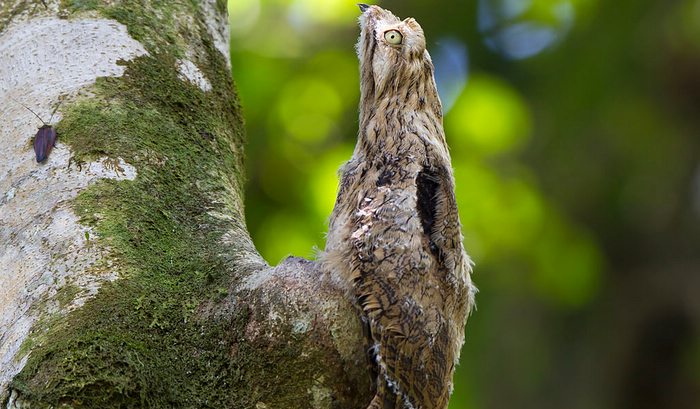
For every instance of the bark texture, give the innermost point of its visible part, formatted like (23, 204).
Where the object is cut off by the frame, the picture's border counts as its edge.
(127, 276)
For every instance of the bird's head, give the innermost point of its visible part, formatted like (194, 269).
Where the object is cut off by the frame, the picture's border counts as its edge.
(390, 50)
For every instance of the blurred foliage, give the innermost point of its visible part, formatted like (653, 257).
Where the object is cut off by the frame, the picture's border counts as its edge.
(573, 127)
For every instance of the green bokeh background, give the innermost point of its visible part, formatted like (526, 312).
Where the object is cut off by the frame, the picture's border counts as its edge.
(574, 127)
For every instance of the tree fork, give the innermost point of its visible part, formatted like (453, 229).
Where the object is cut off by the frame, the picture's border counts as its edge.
(129, 279)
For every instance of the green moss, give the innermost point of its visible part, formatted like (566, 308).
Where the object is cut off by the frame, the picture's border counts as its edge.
(140, 342)
(81, 5)
(67, 294)
(222, 6)
(63, 298)
(10, 9)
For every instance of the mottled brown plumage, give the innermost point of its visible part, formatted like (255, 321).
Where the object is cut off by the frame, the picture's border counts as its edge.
(394, 238)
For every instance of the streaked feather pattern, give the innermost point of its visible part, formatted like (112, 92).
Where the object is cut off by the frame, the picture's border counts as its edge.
(394, 238)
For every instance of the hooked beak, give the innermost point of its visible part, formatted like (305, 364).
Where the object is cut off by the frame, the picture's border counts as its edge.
(363, 7)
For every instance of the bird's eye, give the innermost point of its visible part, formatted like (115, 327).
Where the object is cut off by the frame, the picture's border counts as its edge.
(393, 37)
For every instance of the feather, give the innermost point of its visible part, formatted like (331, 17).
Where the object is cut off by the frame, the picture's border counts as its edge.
(394, 235)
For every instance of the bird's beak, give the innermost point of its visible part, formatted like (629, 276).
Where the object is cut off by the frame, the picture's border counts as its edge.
(363, 7)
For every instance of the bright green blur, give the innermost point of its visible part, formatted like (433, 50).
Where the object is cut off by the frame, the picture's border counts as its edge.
(572, 144)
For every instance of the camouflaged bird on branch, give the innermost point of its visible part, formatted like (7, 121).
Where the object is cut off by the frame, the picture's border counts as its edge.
(394, 239)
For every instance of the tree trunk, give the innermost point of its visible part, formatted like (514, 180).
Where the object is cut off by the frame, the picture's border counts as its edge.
(127, 276)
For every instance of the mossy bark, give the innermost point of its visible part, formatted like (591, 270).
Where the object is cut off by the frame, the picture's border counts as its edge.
(196, 318)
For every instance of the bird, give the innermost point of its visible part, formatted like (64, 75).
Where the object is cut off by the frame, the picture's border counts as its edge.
(394, 241)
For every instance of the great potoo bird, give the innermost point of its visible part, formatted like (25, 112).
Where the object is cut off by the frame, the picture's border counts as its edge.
(394, 237)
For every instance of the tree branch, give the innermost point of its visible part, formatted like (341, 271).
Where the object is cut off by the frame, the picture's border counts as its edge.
(130, 279)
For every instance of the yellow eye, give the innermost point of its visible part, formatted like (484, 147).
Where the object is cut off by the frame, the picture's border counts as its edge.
(393, 37)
